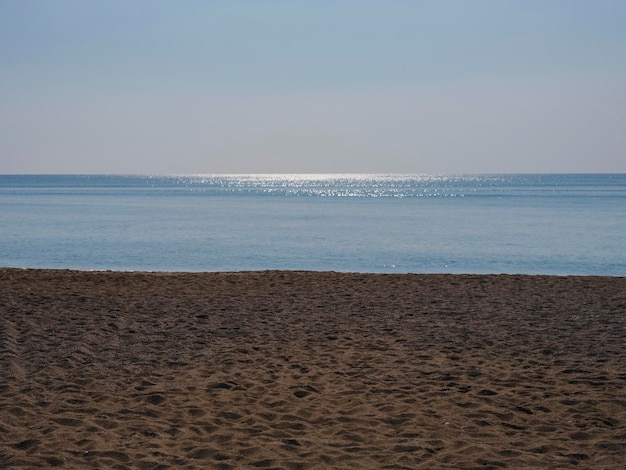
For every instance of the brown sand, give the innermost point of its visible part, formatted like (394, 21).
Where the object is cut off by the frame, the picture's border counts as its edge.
(311, 370)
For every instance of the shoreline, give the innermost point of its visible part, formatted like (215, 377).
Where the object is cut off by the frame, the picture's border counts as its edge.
(305, 369)
(309, 271)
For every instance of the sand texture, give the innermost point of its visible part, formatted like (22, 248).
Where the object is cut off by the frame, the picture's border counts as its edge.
(302, 370)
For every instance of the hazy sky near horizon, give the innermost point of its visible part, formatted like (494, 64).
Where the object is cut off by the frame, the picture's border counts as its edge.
(199, 86)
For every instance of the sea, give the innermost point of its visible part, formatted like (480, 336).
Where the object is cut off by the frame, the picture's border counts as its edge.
(561, 224)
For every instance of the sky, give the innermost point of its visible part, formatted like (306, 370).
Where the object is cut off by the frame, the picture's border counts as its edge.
(200, 86)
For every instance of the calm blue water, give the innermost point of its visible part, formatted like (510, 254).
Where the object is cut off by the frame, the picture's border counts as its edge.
(549, 224)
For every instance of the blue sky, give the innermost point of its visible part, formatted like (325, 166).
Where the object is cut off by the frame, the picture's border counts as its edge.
(190, 86)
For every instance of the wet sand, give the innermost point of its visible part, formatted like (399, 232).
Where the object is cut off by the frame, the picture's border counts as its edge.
(303, 370)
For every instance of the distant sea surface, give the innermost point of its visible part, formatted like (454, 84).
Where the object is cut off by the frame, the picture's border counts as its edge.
(531, 224)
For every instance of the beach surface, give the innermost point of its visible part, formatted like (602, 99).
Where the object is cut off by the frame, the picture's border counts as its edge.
(305, 370)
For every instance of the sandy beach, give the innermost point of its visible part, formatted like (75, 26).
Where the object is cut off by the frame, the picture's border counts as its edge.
(305, 370)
